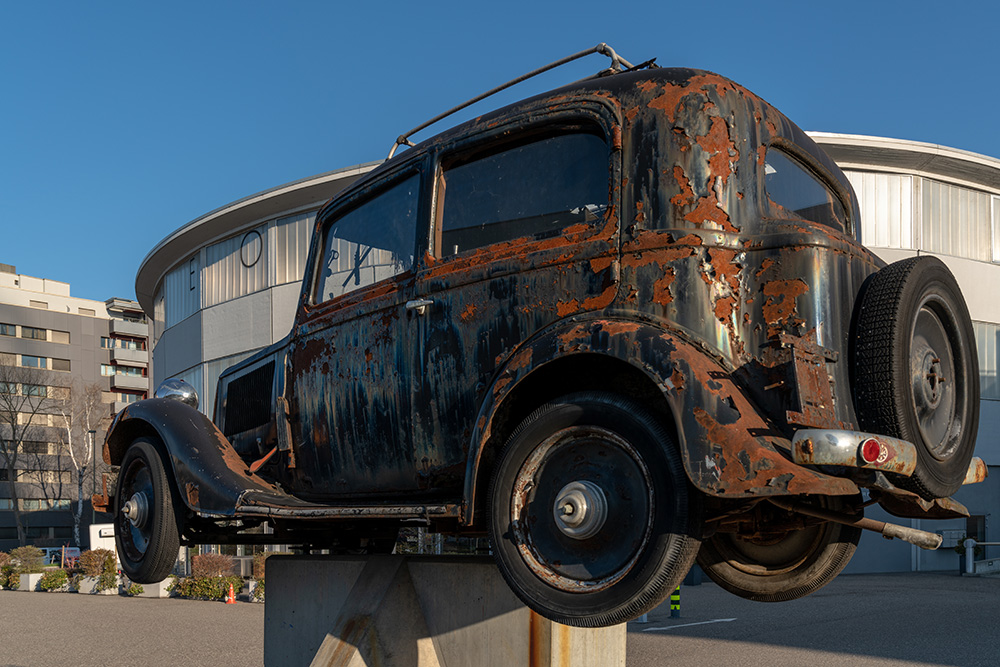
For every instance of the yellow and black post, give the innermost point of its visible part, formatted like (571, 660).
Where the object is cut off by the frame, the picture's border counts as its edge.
(675, 603)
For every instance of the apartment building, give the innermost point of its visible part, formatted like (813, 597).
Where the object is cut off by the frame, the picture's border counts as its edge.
(53, 347)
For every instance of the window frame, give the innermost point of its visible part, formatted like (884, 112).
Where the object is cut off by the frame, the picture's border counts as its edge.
(522, 131)
(802, 158)
(336, 210)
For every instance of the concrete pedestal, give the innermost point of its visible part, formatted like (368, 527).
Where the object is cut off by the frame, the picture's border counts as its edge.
(418, 611)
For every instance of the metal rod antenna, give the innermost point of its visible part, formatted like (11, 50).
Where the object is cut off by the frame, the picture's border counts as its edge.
(616, 63)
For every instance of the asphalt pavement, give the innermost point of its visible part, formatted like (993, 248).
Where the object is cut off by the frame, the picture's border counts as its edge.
(858, 620)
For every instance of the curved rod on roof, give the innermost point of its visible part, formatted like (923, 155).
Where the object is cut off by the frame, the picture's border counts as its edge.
(616, 64)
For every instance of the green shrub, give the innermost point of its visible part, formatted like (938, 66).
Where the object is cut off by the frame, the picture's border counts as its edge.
(27, 559)
(100, 564)
(4, 558)
(207, 588)
(10, 577)
(211, 565)
(53, 580)
(133, 589)
(258, 591)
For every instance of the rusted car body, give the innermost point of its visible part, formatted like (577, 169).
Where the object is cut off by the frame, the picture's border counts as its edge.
(682, 275)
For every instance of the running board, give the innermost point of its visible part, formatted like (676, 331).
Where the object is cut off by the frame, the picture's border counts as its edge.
(921, 538)
(257, 504)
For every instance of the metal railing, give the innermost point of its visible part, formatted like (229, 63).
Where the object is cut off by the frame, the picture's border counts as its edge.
(970, 555)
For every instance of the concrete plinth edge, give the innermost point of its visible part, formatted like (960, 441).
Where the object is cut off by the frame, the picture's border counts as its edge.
(415, 611)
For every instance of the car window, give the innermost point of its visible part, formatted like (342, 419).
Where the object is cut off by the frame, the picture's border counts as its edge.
(371, 242)
(533, 189)
(790, 185)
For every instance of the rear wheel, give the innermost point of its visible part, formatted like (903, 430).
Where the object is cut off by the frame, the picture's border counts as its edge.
(593, 522)
(916, 370)
(145, 524)
(774, 564)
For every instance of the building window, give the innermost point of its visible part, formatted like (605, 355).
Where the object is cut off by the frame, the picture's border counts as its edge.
(35, 390)
(31, 505)
(107, 370)
(193, 273)
(6, 503)
(34, 362)
(62, 532)
(8, 359)
(60, 364)
(59, 336)
(33, 332)
(250, 248)
(129, 398)
(3, 475)
(955, 221)
(8, 329)
(90, 312)
(107, 343)
(38, 304)
(8, 388)
(988, 346)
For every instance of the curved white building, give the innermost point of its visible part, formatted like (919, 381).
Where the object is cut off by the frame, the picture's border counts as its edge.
(226, 284)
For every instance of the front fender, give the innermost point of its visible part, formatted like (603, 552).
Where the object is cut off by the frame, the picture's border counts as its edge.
(729, 449)
(208, 473)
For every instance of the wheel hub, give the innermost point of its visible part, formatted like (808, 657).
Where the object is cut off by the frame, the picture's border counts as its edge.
(580, 509)
(931, 380)
(136, 510)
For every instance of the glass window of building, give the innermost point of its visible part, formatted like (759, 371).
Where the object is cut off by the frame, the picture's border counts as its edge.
(107, 343)
(107, 369)
(33, 332)
(8, 329)
(60, 364)
(34, 362)
(59, 336)
(35, 390)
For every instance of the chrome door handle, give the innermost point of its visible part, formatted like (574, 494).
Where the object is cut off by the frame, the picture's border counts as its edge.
(419, 306)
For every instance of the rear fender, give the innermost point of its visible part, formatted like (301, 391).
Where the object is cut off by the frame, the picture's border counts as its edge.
(728, 448)
(209, 476)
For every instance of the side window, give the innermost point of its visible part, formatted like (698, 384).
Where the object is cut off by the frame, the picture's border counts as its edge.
(793, 187)
(530, 190)
(369, 243)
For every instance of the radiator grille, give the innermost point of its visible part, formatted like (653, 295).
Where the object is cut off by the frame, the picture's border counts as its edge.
(248, 400)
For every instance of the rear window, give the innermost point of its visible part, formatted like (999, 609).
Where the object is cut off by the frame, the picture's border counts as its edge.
(534, 189)
(793, 187)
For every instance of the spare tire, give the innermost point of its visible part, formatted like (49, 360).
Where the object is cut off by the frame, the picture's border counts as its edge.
(916, 374)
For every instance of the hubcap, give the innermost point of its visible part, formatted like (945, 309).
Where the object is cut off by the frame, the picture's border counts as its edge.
(933, 385)
(580, 510)
(136, 510)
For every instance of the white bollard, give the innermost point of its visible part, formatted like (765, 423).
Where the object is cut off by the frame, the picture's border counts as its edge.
(970, 548)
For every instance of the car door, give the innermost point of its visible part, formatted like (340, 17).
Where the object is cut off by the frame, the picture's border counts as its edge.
(524, 233)
(350, 356)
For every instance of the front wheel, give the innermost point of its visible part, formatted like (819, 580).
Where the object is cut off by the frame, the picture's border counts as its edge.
(145, 526)
(593, 521)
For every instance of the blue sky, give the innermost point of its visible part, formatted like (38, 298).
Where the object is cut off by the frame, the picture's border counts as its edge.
(122, 121)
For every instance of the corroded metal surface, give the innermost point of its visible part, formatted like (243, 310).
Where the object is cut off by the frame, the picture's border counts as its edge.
(843, 448)
(727, 314)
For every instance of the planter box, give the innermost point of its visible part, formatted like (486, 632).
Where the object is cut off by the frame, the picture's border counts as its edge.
(29, 582)
(155, 590)
(88, 586)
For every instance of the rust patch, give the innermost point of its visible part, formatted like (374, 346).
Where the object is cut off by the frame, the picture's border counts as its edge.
(764, 266)
(780, 303)
(661, 287)
(191, 491)
(709, 211)
(468, 313)
(686, 196)
(723, 151)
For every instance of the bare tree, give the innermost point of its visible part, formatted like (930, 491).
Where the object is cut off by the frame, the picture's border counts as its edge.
(24, 401)
(84, 416)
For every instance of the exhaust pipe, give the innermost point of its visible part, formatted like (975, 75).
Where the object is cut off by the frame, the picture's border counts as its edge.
(921, 538)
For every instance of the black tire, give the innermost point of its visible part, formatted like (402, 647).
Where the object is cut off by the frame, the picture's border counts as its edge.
(781, 566)
(622, 562)
(146, 531)
(916, 370)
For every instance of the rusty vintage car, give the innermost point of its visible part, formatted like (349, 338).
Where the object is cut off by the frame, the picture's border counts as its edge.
(617, 327)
